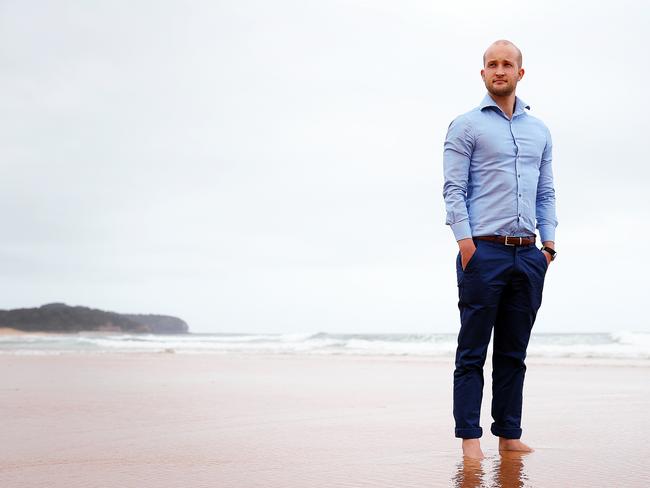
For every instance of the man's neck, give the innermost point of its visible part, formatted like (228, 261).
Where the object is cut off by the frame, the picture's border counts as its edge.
(506, 103)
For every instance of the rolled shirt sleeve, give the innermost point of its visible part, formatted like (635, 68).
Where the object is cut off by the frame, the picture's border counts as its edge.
(545, 203)
(458, 149)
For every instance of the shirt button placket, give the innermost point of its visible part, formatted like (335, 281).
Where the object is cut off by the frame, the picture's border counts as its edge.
(516, 149)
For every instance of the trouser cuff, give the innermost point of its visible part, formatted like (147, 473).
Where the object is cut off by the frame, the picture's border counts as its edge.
(473, 433)
(507, 433)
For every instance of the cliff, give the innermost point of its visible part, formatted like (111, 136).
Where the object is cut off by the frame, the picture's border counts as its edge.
(59, 317)
(160, 324)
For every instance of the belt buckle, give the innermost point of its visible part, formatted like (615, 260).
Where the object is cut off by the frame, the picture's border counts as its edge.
(513, 237)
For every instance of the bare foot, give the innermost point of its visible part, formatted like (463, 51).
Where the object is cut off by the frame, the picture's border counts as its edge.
(472, 449)
(513, 445)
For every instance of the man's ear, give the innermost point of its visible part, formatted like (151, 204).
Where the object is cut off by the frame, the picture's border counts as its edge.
(521, 73)
(483, 74)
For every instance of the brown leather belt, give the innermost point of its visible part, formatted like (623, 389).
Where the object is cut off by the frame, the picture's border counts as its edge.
(508, 240)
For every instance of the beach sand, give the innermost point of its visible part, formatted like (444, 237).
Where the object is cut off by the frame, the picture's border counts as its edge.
(177, 420)
(9, 331)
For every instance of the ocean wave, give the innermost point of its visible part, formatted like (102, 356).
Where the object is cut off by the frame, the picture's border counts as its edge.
(614, 345)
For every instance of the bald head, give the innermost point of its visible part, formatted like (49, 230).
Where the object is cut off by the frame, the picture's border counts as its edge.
(503, 42)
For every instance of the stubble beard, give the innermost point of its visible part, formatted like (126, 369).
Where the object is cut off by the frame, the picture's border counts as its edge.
(501, 91)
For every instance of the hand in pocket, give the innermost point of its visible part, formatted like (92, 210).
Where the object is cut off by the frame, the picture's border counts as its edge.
(466, 257)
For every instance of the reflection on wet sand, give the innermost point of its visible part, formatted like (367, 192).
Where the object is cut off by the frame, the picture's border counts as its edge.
(469, 474)
(506, 471)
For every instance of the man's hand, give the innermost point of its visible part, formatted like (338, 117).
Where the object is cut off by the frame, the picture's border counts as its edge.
(550, 244)
(467, 250)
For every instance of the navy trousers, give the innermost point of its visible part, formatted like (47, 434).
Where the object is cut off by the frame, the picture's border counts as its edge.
(501, 289)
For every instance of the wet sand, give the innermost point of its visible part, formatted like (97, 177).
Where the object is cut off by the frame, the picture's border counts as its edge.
(176, 420)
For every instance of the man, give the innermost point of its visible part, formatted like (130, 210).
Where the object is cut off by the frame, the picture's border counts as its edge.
(498, 188)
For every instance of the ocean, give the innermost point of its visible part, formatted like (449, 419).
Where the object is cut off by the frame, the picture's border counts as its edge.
(610, 346)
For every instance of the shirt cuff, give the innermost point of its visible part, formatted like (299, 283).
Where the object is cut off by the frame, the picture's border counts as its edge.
(461, 230)
(547, 232)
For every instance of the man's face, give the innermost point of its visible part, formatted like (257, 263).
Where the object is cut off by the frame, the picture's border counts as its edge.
(501, 71)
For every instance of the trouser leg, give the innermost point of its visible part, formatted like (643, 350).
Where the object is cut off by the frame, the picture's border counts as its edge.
(516, 315)
(479, 288)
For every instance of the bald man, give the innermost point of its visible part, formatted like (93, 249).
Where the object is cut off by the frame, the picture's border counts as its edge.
(498, 189)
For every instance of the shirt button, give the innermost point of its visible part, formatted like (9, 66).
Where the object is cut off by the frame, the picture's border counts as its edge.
(518, 176)
(520, 195)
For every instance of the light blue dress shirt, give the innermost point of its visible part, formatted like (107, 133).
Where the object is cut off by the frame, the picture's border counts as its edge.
(498, 176)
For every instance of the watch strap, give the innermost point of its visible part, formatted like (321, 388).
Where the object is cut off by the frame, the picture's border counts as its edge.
(550, 251)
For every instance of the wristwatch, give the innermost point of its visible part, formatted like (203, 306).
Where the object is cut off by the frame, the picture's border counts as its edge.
(550, 251)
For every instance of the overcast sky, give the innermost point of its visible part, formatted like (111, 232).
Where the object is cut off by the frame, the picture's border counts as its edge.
(261, 166)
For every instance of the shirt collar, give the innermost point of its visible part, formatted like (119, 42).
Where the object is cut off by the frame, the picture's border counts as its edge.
(520, 105)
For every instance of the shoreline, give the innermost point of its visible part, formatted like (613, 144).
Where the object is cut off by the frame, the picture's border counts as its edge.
(632, 352)
(284, 356)
(10, 331)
